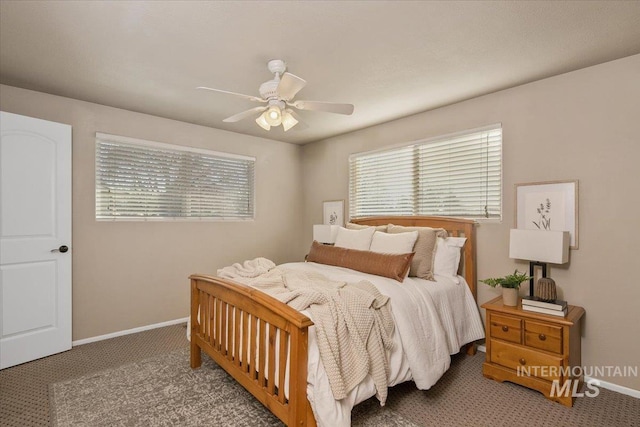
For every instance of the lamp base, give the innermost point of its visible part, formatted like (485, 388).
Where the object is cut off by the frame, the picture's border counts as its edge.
(532, 266)
(546, 289)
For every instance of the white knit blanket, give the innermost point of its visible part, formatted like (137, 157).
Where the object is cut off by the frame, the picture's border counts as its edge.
(353, 323)
(249, 268)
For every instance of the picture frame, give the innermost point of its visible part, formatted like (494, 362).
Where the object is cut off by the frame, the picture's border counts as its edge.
(333, 212)
(551, 205)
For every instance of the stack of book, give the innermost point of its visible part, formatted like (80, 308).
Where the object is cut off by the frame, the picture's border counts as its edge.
(555, 307)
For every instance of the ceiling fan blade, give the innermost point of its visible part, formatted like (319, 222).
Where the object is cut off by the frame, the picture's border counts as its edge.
(249, 97)
(244, 114)
(330, 107)
(301, 124)
(290, 85)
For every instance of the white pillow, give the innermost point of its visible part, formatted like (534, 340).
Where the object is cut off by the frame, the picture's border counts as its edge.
(447, 259)
(401, 243)
(354, 239)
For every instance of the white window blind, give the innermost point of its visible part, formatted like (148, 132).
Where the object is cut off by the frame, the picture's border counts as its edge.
(457, 175)
(138, 179)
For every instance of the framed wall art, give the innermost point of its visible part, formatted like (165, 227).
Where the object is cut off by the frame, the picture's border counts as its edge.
(333, 212)
(549, 205)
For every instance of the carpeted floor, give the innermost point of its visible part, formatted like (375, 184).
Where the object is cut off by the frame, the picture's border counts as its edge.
(24, 389)
(463, 397)
(165, 391)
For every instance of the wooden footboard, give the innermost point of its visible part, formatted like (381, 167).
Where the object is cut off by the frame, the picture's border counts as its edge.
(246, 332)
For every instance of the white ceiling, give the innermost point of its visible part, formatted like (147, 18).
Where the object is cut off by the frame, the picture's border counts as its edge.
(390, 59)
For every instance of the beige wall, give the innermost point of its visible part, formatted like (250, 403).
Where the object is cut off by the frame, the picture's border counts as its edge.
(131, 274)
(582, 125)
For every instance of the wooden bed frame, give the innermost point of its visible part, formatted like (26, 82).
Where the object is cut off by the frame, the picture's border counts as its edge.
(228, 322)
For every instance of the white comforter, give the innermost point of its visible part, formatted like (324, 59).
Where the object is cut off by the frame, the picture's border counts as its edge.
(433, 320)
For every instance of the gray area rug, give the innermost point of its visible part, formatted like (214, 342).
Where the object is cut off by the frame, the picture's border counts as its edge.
(165, 391)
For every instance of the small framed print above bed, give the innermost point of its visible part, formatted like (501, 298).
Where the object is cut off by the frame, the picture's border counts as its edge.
(549, 205)
(333, 212)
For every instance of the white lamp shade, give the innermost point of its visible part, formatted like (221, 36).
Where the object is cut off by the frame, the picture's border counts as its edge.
(273, 116)
(262, 121)
(539, 245)
(325, 233)
(288, 121)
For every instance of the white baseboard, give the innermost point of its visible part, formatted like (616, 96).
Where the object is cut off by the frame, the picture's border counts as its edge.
(614, 387)
(129, 331)
(604, 384)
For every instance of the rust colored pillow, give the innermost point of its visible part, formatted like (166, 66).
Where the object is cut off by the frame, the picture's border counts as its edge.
(386, 265)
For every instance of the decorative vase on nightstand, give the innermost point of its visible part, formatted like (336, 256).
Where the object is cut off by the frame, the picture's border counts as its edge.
(510, 296)
(510, 285)
(546, 289)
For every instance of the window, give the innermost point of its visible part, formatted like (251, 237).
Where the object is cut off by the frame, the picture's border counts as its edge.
(456, 175)
(138, 179)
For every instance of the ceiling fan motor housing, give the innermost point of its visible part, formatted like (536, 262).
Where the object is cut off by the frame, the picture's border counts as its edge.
(269, 90)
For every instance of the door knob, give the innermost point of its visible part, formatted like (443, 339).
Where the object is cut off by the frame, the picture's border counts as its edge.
(61, 249)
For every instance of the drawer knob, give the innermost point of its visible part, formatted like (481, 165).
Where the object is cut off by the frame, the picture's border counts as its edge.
(505, 328)
(542, 337)
(522, 361)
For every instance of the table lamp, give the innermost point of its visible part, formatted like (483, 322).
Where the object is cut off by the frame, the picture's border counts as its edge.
(324, 233)
(539, 247)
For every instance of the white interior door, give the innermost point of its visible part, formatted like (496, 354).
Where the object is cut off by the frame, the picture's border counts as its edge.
(35, 230)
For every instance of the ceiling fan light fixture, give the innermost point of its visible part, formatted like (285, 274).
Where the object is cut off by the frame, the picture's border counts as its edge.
(288, 121)
(273, 115)
(262, 121)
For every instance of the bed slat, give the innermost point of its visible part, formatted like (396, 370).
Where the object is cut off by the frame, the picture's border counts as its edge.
(282, 365)
(261, 352)
(245, 341)
(254, 351)
(271, 361)
(236, 335)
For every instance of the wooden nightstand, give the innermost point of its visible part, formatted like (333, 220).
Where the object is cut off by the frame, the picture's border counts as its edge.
(534, 350)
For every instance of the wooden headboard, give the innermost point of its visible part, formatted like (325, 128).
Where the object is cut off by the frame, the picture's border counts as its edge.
(456, 227)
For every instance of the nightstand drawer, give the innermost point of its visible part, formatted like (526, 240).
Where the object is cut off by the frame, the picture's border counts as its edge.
(543, 336)
(535, 363)
(506, 328)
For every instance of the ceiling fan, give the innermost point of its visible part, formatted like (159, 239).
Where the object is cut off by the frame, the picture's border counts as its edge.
(278, 94)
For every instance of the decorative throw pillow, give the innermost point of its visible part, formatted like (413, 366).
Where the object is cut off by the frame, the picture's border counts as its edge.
(386, 243)
(422, 264)
(447, 258)
(386, 265)
(354, 239)
(352, 226)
